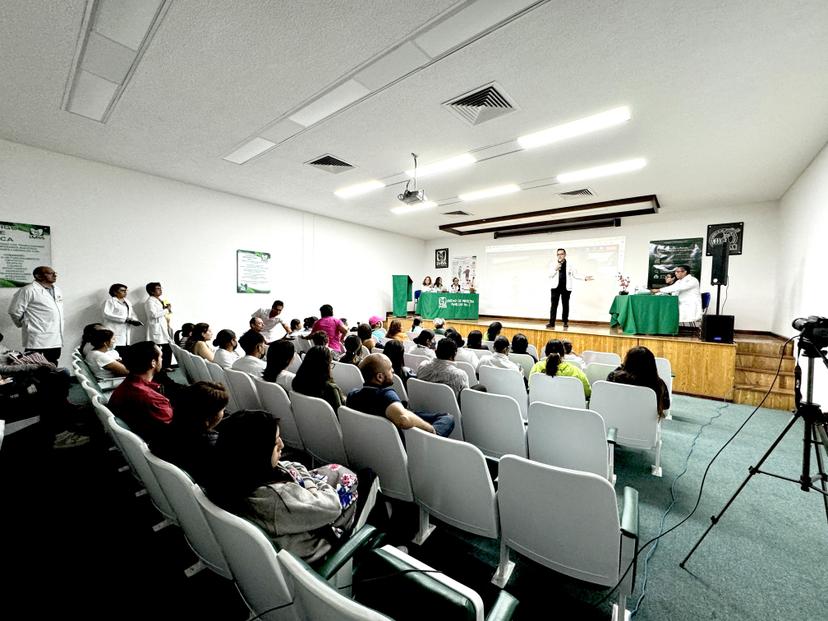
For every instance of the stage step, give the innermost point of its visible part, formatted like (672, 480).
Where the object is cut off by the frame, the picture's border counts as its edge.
(762, 378)
(757, 361)
(764, 362)
(752, 395)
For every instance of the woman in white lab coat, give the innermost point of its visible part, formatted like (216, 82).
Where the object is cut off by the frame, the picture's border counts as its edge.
(118, 315)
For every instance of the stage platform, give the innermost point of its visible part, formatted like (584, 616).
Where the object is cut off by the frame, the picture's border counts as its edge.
(700, 368)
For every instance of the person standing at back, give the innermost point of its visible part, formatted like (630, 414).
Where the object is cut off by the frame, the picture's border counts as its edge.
(158, 321)
(119, 316)
(38, 309)
(271, 317)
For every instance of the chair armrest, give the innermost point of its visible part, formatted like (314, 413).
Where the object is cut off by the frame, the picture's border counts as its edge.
(363, 538)
(629, 541)
(629, 515)
(612, 433)
(503, 608)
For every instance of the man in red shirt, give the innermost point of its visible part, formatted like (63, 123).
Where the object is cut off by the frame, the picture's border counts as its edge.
(138, 401)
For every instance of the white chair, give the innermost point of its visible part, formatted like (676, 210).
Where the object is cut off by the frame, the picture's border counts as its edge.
(183, 358)
(319, 429)
(505, 382)
(557, 390)
(430, 397)
(469, 369)
(346, 376)
(217, 375)
(199, 366)
(603, 357)
(178, 488)
(489, 345)
(579, 534)
(598, 371)
(399, 388)
(632, 410)
(533, 351)
(572, 438)
(493, 423)
(243, 389)
(451, 481)
(316, 600)
(374, 442)
(301, 345)
(409, 345)
(524, 361)
(252, 560)
(276, 401)
(665, 372)
(135, 450)
(479, 352)
(413, 361)
(295, 362)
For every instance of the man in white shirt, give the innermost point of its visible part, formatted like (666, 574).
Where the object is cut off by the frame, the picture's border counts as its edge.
(689, 294)
(38, 309)
(500, 357)
(158, 321)
(561, 277)
(253, 344)
(271, 317)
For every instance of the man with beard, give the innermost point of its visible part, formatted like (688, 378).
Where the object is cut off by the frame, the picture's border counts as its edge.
(377, 397)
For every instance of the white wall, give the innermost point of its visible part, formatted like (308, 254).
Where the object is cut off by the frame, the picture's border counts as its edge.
(115, 225)
(750, 296)
(801, 265)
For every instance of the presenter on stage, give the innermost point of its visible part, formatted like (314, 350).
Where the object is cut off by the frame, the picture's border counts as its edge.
(561, 277)
(686, 287)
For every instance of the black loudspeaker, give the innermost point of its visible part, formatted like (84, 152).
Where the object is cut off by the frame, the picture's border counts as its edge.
(717, 328)
(721, 255)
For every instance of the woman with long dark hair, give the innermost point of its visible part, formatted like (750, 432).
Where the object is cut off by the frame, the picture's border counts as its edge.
(199, 340)
(554, 364)
(313, 378)
(279, 356)
(395, 331)
(639, 369)
(301, 510)
(395, 352)
(494, 330)
(520, 345)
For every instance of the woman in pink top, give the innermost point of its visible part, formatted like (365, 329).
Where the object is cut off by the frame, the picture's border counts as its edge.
(331, 326)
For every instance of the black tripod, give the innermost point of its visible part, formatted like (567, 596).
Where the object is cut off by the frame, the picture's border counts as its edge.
(815, 434)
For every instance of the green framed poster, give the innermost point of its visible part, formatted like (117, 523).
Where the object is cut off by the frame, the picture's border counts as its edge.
(253, 271)
(23, 247)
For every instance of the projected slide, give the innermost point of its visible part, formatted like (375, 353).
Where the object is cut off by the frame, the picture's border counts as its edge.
(516, 278)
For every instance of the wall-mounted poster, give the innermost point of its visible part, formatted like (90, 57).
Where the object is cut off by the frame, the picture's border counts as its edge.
(667, 254)
(730, 234)
(252, 271)
(23, 247)
(441, 258)
(465, 270)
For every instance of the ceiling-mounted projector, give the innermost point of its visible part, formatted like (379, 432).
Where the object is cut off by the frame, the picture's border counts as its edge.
(411, 197)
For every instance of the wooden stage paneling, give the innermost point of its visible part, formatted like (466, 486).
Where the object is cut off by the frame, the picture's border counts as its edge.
(700, 368)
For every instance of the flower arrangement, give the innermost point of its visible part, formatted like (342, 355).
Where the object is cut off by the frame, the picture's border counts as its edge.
(624, 282)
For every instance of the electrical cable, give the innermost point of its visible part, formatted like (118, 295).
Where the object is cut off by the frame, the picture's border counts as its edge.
(727, 288)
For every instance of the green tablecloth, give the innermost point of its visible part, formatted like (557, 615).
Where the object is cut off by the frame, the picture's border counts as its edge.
(645, 314)
(448, 305)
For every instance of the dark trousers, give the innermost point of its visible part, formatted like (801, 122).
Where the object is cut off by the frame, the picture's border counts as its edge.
(563, 295)
(166, 355)
(52, 354)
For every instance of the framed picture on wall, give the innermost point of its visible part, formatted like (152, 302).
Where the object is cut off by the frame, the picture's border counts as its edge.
(441, 258)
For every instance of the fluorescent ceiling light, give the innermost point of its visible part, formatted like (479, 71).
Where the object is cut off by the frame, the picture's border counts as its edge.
(593, 123)
(358, 189)
(602, 171)
(343, 95)
(249, 150)
(404, 209)
(490, 192)
(443, 166)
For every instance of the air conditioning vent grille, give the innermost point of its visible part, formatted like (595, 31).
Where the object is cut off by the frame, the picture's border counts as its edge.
(577, 193)
(481, 105)
(330, 164)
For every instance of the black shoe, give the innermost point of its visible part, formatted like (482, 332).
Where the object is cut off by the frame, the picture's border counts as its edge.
(550, 325)
(566, 324)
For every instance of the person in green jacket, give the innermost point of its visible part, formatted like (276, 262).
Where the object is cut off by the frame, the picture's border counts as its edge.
(554, 364)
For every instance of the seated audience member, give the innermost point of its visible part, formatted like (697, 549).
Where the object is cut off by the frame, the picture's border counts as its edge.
(520, 345)
(271, 318)
(353, 350)
(455, 285)
(554, 364)
(440, 370)
(226, 344)
(463, 354)
(279, 357)
(138, 401)
(493, 330)
(86, 337)
(199, 341)
(331, 326)
(366, 336)
(257, 325)
(500, 357)
(395, 351)
(320, 339)
(378, 397)
(395, 331)
(253, 344)
(416, 326)
(307, 324)
(438, 285)
(295, 326)
(377, 331)
(639, 369)
(425, 344)
(180, 337)
(475, 340)
(192, 437)
(103, 360)
(439, 326)
(300, 510)
(313, 378)
(571, 356)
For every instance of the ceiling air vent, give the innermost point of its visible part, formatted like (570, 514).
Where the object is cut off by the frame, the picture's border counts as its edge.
(457, 213)
(330, 164)
(577, 193)
(481, 105)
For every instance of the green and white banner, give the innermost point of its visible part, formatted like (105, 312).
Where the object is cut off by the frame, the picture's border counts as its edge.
(23, 247)
(253, 271)
(667, 254)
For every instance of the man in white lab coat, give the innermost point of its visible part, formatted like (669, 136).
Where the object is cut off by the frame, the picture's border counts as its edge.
(38, 309)
(689, 295)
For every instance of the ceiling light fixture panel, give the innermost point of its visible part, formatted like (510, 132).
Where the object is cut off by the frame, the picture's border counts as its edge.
(249, 150)
(586, 125)
(406, 209)
(359, 189)
(443, 166)
(501, 190)
(603, 171)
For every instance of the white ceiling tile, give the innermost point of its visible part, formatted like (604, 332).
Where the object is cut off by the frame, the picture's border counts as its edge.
(107, 59)
(385, 70)
(91, 95)
(126, 21)
(343, 95)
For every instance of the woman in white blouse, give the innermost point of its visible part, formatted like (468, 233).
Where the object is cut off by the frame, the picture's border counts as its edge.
(226, 344)
(103, 360)
(118, 315)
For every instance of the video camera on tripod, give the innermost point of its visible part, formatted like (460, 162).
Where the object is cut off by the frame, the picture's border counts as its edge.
(813, 329)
